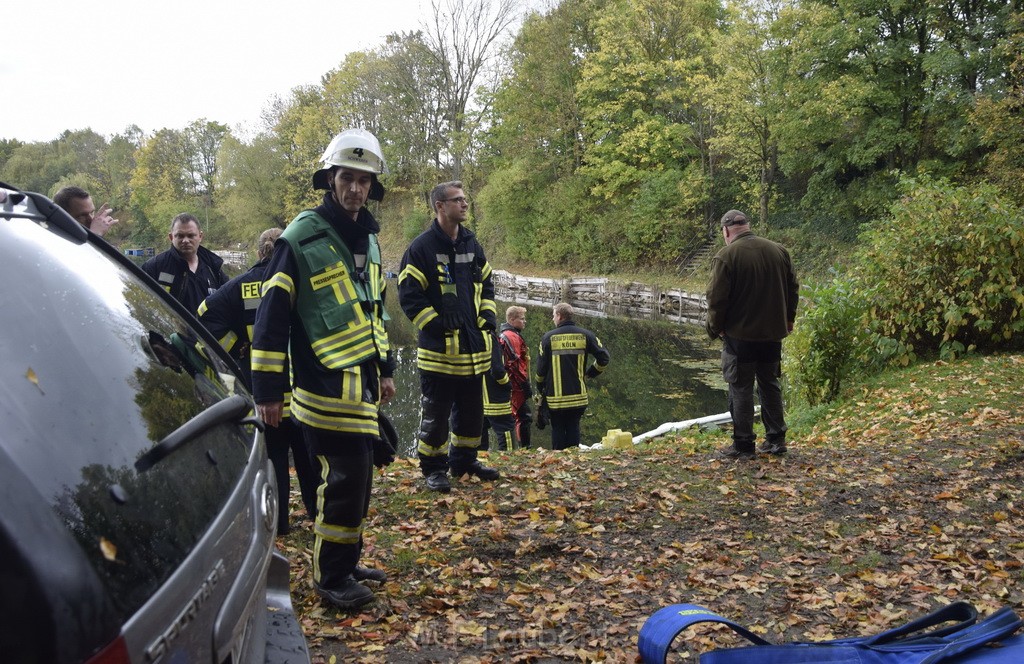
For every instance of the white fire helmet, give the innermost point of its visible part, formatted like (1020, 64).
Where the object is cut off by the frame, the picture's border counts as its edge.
(357, 149)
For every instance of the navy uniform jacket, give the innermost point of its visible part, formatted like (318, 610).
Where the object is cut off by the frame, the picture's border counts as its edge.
(171, 271)
(562, 365)
(433, 259)
(230, 313)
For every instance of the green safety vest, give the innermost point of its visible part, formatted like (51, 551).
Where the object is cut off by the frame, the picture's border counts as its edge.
(330, 302)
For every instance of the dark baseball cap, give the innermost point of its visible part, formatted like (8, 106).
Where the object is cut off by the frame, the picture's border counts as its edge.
(733, 218)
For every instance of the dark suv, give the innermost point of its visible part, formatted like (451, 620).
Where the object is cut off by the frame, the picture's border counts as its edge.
(137, 505)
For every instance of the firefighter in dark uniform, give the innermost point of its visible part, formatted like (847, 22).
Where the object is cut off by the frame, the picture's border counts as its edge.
(498, 403)
(188, 271)
(561, 372)
(445, 289)
(229, 314)
(323, 309)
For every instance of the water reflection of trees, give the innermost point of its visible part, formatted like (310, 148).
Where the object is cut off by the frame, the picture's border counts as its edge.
(660, 372)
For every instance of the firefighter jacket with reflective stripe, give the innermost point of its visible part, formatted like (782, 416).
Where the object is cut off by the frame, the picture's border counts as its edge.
(339, 302)
(434, 262)
(230, 313)
(562, 365)
(190, 288)
(497, 386)
(327, 316)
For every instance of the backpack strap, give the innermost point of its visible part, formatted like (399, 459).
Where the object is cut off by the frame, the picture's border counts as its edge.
(996, 627)
(665, 624)
(965, 615)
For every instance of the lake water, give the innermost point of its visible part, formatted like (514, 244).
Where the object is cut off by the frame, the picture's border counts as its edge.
(660, 371)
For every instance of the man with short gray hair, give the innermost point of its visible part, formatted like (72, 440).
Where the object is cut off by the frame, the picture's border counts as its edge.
(752, 299)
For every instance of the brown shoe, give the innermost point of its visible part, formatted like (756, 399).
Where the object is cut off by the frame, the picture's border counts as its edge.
(732, 452)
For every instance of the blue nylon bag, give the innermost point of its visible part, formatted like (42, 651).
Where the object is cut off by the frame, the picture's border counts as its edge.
(927, 640)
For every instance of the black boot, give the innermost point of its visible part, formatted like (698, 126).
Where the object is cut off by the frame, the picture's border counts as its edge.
(481, 471)
(369, 574)
(348, 595)
(438, 481)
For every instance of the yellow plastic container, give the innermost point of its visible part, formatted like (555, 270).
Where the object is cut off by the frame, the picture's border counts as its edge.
(617, 439)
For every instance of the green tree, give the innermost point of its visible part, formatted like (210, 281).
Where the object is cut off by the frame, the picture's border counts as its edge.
(879, 87)
(997, 116)
(749, 101)
(535, 143)
(251, 177)
(463, 38)
(645, 109)
(160, 185)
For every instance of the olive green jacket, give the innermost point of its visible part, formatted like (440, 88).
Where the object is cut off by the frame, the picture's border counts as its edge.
(753, 291)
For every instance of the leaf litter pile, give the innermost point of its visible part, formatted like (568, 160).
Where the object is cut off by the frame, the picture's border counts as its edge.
(902, 498)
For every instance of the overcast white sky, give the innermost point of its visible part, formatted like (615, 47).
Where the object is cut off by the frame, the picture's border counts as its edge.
(68, 64)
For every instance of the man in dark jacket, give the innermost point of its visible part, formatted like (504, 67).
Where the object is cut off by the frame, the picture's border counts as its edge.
(752, 299)
(561, 373)
(445, 289)
(188, 271)
(230, 314)
(323, 311)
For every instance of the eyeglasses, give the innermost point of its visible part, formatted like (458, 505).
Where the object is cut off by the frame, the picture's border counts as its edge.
(458, 199)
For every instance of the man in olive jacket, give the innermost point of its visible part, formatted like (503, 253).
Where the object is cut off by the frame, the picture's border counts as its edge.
(752, 299)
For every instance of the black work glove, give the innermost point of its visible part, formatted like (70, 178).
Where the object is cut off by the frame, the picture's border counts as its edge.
(383, 453)
(527, 390)
(543, 414)
(489, 325)
(451, 315)
(384, 443)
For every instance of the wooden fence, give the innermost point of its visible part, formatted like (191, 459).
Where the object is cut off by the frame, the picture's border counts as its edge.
(236, 258)
(601, 297)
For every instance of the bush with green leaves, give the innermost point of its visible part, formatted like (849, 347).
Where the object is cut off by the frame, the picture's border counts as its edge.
(827, 341)
(944, 272)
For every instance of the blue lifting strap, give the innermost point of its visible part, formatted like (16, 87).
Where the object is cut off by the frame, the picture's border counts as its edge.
(927, 640)
(665, 624)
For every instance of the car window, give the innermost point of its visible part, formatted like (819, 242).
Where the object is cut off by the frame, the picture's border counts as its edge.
(95, 371)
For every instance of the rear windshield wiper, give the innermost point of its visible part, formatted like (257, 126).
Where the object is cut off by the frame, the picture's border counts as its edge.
(234, 409)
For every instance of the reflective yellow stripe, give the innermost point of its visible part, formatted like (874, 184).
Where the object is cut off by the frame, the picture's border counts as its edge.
(267, 360)
(453, 364)
(506, 442)
(465, 441)
(341, 424)
(412, 272)
(280, 280)
(570, 401)
(424, 317)
(228, 341)
(341, 406)
(426, 450)
(337, 534)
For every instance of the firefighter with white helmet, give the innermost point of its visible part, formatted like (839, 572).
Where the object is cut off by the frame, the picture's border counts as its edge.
(323, 307)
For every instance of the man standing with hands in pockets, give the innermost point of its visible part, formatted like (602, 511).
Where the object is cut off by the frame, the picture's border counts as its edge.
(752, 298)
